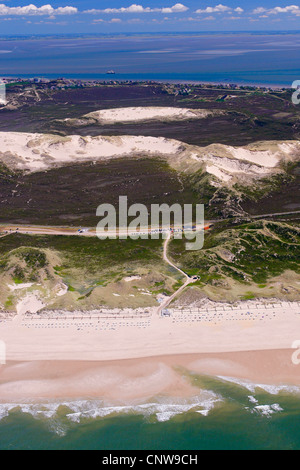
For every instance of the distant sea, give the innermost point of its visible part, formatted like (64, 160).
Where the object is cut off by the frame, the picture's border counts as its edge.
(265, 58)
(233, 417)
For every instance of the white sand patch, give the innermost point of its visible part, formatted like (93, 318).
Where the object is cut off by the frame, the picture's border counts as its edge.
(31, 304)
(137, 114)
(232, 166)
(132, 278)
(287, 148)
(63, 289)
(20, 286)
(215, 171)
(266, 159)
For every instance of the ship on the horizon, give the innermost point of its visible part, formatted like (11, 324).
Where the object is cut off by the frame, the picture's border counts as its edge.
(110, 72)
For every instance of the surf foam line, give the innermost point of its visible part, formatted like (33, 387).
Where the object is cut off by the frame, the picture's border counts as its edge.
(77, 411)
(271, 389)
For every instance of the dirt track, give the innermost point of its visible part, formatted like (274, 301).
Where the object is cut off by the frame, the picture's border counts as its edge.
(189, 280)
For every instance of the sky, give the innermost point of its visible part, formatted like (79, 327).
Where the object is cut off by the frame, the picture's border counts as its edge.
(119, 16)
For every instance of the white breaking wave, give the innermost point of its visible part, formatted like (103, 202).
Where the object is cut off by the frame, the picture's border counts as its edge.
(76, 411)
(163, 409)
(268, 410)
(271, 389)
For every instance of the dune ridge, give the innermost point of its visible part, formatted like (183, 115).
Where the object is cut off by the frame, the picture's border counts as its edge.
(226, 164)
(140, 114)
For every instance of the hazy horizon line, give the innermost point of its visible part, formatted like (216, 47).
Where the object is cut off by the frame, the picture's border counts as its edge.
(157, 33)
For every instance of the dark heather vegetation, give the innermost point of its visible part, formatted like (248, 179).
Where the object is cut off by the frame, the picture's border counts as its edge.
(70, 195)
(251, 115)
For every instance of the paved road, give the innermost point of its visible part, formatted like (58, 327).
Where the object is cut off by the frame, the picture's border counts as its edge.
(43, 230)
(87, 232)
(278, 214)
(91, 232)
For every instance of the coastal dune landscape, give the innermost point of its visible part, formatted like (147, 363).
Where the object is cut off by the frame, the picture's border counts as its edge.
(261, 326)
(132, 337)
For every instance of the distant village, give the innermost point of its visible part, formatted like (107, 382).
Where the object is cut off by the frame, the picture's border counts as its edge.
(170, 88)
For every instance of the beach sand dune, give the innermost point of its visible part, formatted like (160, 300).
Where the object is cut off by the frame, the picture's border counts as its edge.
(150, 113)
(227, 164)
(38, 152)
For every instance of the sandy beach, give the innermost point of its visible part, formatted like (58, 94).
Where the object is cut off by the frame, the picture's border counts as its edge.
(138, 380)
(126, 334)
(135, 355)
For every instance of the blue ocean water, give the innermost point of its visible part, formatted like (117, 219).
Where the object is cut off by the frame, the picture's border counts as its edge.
(245, 58)
(232, 416)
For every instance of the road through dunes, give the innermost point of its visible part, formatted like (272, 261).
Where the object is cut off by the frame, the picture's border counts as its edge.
(89, 231)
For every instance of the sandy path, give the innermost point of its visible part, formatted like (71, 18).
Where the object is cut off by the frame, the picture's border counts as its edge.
(275, 214)
(188, 281)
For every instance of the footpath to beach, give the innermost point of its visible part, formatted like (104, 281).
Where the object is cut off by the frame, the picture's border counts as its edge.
(188, 280)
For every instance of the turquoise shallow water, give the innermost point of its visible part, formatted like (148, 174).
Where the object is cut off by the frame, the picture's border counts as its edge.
(230, 417)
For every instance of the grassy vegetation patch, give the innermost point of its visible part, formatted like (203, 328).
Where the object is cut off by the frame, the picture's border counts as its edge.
(24, 264)
(251, 253)
(90, 256)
